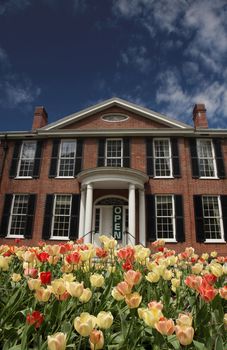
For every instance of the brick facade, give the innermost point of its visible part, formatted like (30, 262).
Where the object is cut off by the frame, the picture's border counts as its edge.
(185, 185)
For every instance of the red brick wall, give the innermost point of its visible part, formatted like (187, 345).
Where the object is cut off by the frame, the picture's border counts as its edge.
(186, 185)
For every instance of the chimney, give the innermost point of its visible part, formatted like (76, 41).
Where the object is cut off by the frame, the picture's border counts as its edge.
(40, 118)
(199, 116)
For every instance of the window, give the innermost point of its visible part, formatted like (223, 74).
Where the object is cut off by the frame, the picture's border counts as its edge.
(67, 156)
(27, 159)
(114, 152)
(206, 158)
(18, 215)
(212, 218)
(165, 217)
(61, 216)
(162, 158)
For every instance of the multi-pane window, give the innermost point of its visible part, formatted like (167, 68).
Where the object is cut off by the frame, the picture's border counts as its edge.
(18, 215)
(212, 218)
(97, 220)
(27, 159)
(114, 152)
(61, 216)
(67, 158)
(162, 158)
(206, 158)
(165, 217)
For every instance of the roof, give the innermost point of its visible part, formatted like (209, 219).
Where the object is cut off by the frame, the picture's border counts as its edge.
(145, 112)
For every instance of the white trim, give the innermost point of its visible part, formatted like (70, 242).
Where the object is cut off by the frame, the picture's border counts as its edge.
(122, 151)
(59, 157)
(170, 158)
(11, 216)
(173, 240)
(220, 217)
(53, 216)
(214, 241)
(20, 159)
(126, 117)
(198, 142)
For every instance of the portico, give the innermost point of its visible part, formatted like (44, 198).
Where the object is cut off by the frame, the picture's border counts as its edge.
(113, 179)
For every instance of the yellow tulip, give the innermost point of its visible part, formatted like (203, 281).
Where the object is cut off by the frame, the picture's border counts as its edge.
(85, 296)
(104, 319)
(152, 277)
(151, 316)
(4, 265)
(75, 289)
(16, 277)
(84, 324)
(57, 341)
(216, 269)
(97, 280)
(42, 294)
(34, 284)
(133, 300)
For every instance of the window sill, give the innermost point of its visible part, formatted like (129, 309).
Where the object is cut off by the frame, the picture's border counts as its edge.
(23, 178)
(167, 240)
(64, 177)
(59, 239)
(208, 178)
(15, 237)
(163, 177)
(214, 241)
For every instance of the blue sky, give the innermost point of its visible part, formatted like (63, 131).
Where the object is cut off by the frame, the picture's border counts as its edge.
(67, 55)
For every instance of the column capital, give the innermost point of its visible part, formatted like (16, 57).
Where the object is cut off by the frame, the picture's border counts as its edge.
(90, 186)
(132, 186)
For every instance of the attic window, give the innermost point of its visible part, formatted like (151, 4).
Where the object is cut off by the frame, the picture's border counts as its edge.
(114, 117)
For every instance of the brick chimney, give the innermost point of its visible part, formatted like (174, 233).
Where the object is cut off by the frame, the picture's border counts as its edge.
(199, 116)
(40, 118)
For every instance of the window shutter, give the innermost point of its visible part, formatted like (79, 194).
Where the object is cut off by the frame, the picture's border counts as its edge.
(48, 216)
(30, 216)
(150, 161)
(15, 159)
(54, 158)
(150, 218)
(101, 152)
(78, 162)
(6, 215)
(194, 158)
(126, 153)
(175, 157)
(179, 215)
(224, 214)
(198, 208)
(74, 223)
(38, 154)
(219, 158)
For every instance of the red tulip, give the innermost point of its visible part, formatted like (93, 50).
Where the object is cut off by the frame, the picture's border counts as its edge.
(45, 277)
(35, 319)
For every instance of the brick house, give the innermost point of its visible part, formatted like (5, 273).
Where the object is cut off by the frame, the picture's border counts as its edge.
(115, 168)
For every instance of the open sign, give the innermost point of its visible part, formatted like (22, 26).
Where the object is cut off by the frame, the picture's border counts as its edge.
(117, 222)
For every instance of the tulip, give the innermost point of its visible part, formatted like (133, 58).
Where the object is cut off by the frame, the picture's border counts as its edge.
(57, 341)
(75, 289)
(35, 319)
(167, 275)
(97, 280)
(132, 277)
(225, 321)
(16, 277)
(52, 249)
(31, 272)
(207, 292)
(85, 296)
(184, 334)
(96, 339)
(197, 268)
(117, 295)
(58, 286)
(151, 316)
(123, 288)
(104, 319)
(42, 294)
(152, 277)
(29, 256)
(155, 304)
(34, 284)
(68, 277)
(193, 281)
(223, 292)
(165, 326)
(4, 265)
(184, 320)
(213, 254)
(84, 324)
(133, 300)
(216, 269)
(45, 277)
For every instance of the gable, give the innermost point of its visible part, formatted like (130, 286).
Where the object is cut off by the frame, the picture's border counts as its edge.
(138, 118)
(96, 121)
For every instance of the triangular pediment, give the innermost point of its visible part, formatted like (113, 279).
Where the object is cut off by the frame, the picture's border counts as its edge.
(131, 115)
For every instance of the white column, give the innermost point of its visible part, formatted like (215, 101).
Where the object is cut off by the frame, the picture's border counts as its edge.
(82, 212)
(131, 214)
(88, 213)
(142, 226)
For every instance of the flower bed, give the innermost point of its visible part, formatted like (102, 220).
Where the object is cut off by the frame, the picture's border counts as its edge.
(77, 296)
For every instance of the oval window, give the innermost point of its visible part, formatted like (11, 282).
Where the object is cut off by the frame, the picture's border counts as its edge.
(114, 117)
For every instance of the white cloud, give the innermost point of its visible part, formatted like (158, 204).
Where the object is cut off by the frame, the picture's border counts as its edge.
(138, 57)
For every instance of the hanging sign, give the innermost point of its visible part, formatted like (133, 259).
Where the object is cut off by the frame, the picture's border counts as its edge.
(117, 222)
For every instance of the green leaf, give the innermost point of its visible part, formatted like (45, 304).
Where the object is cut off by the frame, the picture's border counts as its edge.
(219, 343)
(198, 345)
(172, 339)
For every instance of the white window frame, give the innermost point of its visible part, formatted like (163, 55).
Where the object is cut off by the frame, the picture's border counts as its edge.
(198, 141)
(173, 217)
(20, 160)
(170, 158)
(9, 235)
(122, 152)
(220, 217)
(59, 158)
(60, 238)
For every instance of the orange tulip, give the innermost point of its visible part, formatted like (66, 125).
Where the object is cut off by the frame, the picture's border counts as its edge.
(184, 334)
(96, 339)
(165, 326)
(133, 300)
(132, 277)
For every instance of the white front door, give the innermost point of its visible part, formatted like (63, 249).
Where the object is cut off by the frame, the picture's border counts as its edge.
(103, 222)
